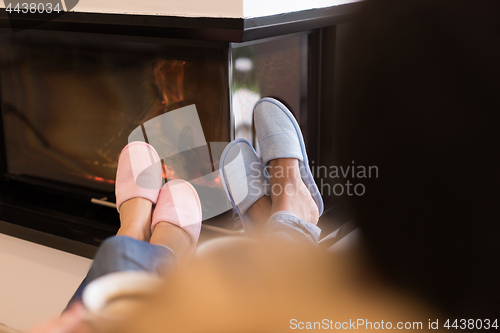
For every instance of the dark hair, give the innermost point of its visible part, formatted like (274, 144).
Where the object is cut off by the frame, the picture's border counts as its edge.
(419, 97)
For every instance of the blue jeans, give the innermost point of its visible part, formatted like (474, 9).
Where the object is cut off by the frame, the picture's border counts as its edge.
(122, 253)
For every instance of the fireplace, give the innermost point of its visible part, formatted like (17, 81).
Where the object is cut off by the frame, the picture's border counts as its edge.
(75, 90)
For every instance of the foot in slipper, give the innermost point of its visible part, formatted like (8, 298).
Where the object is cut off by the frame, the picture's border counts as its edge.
(139, 173)
(244, 178)
(280, 138)
(179, 204)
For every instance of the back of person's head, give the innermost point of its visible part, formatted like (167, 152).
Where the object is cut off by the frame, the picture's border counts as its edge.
(273, 286)
(419, 96)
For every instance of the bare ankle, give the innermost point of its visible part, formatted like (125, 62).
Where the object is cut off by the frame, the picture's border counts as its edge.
(284, 168)
(288, 191)
(142, 234)
(135, 219)
(260, 212)
(172, 236)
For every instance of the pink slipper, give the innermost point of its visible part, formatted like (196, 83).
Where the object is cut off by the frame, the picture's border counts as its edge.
(139, 173)
(179, 204)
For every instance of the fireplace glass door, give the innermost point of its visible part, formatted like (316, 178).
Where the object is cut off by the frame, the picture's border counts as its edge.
(69, 105)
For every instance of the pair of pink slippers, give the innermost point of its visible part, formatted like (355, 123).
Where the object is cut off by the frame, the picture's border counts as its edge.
(139, 175)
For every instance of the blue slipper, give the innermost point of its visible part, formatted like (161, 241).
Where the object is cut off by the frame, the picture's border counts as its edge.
(244, 178)
(279, 136)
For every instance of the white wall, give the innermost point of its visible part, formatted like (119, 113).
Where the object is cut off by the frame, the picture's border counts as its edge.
(202, 8)
(190, 8)
(257, 8)
(36, 282)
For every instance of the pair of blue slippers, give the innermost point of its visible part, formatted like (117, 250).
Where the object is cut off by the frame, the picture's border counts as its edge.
(245, 177)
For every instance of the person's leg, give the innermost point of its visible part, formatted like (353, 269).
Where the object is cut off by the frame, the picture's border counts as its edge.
(291, 205)
(135, 219)
(288, 226)
(246, 183)
(176, 221)
(260, 212)
(296, 200)
(123, 253)
(291, 199)
(288, 191)
(171, 236)
(290, 183)
(290, 213)
(129, 249)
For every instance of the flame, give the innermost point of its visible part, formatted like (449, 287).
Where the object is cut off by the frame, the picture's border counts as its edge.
(168, 172)
(169, 78)
(99, 179)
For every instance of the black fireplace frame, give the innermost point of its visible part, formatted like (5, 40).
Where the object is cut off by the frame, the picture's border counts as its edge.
(201, 29)
(28, 206)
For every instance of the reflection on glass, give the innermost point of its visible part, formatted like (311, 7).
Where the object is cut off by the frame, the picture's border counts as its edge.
(271, 68)
(69, 106)
(179, 139)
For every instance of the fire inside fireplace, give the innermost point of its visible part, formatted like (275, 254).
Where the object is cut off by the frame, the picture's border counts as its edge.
(69, 105)
(70, 102)
(73, 89)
